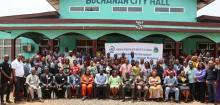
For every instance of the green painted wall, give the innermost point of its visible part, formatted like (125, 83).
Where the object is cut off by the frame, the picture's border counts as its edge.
(67, 41)
(27, 41)
(190, 44)
(189, 15)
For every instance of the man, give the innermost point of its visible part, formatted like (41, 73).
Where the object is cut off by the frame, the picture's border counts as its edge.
(211, 77)
(74, 84)
(125, 68)
(71, 57)
(171, 83)
(60, 82)
(101, 81)
(18, 73)
(128, 85)
(178, 67)
(33, 83)
(101, 66)
(46, 83)
(6, 79)
(190, 73)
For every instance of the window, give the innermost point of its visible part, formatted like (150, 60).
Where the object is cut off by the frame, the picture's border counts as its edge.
(169, 9)
(161, 9)
(119, 9)
(91, 8)
(77, 9)
(134, 9)
(84, 9)
(176, 9)
(127, 9)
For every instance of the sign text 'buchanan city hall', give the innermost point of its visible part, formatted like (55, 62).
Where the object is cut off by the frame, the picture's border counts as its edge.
(134, 2)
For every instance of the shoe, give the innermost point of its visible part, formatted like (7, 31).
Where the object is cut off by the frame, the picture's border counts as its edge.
(83, 98)
(3, 103)
(40, 100)
(177, 101)
(123, 100)
(165, 100)
(8, 101)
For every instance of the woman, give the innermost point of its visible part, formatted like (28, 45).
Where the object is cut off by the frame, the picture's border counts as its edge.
(87, 81)
(146, 71)
(66, 66)
(114, 82)
(155, 90)
(200, 74)
(183, 85)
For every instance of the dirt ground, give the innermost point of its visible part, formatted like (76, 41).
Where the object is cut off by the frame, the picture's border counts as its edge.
(102, 102)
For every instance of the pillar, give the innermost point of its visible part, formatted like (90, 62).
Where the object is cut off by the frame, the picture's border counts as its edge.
(177, 49)
(216, 50)
(94, 45)
(13, 49)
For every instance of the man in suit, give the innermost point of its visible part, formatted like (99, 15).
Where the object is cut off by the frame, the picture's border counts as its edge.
(47, 83)
(60, 82)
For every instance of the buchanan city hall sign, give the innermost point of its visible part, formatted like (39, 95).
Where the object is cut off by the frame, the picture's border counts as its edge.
(136, 2)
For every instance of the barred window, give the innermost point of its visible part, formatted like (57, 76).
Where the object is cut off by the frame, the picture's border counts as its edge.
(161, 9)
(177, 10)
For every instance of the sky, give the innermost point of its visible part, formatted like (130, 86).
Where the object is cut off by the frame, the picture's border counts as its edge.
(18, 7)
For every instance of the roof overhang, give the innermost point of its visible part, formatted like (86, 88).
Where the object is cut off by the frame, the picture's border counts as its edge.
(206, 18)
(94, 24)
(44, 15)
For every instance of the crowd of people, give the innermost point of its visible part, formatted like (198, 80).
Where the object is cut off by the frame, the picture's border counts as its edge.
(74, 75)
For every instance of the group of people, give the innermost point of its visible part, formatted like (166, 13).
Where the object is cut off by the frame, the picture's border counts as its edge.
(72, 74)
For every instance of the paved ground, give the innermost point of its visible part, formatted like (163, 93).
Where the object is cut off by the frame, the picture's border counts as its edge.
(102, 102)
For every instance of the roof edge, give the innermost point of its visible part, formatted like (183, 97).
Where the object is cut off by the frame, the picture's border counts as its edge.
(43, 15)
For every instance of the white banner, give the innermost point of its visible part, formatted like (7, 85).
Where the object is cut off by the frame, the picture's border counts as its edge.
(146, 51)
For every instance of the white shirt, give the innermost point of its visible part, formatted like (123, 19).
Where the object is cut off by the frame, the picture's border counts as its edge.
(19, 68)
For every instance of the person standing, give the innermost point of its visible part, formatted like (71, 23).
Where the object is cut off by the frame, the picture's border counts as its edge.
(6, 79)
(190, 73)
(200, 74)
(211, 76)
(18, 73)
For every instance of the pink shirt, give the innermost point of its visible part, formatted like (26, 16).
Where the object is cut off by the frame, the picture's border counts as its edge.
(125, 69)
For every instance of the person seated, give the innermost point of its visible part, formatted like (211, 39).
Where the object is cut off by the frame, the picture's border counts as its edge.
(115, 83)
(33, 83)
(136, 69)
(74, 84)
(155, 89)
(60, 83)
(87, 81)
(141, 85)
(128, 85)
(46, 83)
(101, 81)
(183, 85)
(171, 84)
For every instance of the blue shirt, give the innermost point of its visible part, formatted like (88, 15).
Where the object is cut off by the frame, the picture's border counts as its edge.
(170, 81)
(101, 79)
(74, 80)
